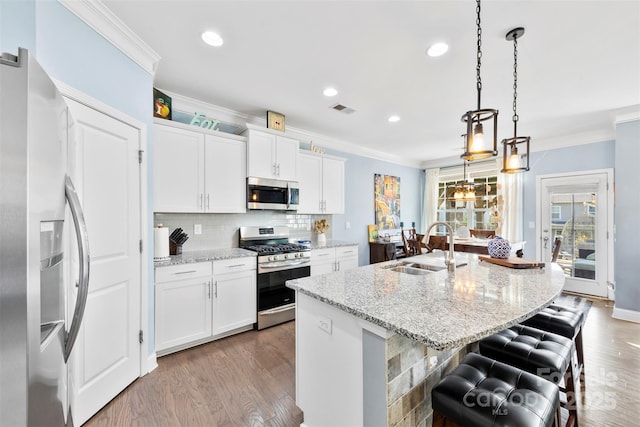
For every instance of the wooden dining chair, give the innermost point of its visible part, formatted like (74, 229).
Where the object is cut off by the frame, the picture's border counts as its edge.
(483, 234)
(436, 242)
(556, 248)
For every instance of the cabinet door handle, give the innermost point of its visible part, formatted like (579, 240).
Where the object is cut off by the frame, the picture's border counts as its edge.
(236, 265)
(215, 291)
(278, 169)
(209, 289)
(207, 201)
(200, 204)
(273, 168)
(185, 272)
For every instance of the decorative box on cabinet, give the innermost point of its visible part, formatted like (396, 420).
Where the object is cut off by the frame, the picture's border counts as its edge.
(196, 170)
(321, 181)
(270, 155)
(200, 302)
(328, 260)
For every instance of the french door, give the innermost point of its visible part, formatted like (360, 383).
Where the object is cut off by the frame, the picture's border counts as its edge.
(577, 208)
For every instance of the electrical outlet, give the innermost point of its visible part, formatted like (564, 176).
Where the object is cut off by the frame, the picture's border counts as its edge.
(197, 229)
(347, 225)
(433, 361)
(532, 224)
(325, 324)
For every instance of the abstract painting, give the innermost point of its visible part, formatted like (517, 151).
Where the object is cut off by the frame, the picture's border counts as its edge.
(386, 191)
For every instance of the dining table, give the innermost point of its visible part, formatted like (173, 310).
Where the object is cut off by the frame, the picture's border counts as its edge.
(477, 245)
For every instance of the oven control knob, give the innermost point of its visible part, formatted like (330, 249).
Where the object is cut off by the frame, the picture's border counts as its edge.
(273, 258)
(286, 256)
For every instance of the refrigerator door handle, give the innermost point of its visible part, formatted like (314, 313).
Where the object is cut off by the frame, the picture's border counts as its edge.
(83, 252)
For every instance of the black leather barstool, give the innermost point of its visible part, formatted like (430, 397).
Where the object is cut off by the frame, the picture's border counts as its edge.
(545, 354)
(481, 392)
(563, 321)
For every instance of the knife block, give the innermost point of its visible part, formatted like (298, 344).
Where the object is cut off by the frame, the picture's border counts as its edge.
(174, 249)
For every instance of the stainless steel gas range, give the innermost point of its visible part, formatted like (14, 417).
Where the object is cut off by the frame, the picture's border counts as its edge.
(278, 261)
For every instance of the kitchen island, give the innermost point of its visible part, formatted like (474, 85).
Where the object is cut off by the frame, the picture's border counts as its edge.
(372, 342)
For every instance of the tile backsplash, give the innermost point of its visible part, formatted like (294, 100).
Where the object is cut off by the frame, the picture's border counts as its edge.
(221, 230)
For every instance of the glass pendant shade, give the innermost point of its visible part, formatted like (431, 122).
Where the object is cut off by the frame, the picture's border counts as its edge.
(515, 152)
(481, 140)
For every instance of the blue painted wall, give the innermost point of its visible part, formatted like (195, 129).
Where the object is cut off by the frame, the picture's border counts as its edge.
(627, 211)
(570, 159)
(359, 205)
(73, 53)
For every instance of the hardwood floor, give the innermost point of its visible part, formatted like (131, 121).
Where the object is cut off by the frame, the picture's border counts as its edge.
(249, 380)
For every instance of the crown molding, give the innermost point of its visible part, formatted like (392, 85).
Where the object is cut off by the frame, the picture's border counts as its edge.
(192, 105)
(103, 21)
(628, 117)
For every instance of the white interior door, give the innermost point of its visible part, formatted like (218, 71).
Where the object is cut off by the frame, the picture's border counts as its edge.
(577, 208)
(103, 159)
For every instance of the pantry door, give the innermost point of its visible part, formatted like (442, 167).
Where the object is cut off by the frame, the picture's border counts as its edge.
(577, 208)
(104, 165)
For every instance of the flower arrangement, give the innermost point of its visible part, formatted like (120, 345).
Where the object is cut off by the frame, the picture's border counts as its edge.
(321, 226)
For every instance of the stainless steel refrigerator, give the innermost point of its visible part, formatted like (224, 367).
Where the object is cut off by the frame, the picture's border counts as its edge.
(38, 325)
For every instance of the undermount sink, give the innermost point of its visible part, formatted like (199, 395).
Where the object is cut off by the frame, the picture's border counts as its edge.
(418, 269)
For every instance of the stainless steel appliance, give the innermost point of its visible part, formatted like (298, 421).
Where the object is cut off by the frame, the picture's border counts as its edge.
(35, 339)
(278, 261)
(273, 194)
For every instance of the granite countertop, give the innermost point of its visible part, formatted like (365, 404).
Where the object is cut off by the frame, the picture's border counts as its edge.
(331, 243)
(205, 255)
(442, 311)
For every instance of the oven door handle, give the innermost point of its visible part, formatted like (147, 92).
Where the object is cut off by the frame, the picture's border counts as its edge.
(284, 264)
(279, 309)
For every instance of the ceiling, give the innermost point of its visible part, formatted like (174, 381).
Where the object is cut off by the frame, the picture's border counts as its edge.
(578, 66)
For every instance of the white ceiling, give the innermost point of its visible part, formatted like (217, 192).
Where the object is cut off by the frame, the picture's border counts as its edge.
(578, 66)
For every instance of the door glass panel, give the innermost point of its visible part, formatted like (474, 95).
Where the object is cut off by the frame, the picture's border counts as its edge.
(574, 218)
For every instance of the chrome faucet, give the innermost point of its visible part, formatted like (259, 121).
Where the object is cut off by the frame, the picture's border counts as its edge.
(450, 262)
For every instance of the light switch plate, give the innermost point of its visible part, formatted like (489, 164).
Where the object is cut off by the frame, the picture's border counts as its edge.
(325, 324)
(197, 229)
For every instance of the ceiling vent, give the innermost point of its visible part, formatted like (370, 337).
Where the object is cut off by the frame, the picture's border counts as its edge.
(343, 108)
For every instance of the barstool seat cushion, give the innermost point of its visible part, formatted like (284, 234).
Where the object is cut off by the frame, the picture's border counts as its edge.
(558, 319)
(542, 353)
(483, 392)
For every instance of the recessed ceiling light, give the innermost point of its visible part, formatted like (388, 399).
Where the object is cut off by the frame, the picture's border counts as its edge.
(438, 49)
(330, 92)
(393, 119)
(212, 39)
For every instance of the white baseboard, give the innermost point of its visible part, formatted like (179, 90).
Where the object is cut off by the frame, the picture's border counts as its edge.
(624, 314)
(152, 363)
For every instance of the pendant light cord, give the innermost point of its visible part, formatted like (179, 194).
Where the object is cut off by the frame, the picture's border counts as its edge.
(515, 86)
(479, 53)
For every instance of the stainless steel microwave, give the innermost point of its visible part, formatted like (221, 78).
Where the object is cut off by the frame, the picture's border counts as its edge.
(273, 194)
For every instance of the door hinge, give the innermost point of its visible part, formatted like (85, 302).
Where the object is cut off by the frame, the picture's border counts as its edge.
(141, 246)
(140, 153)
(141, 336)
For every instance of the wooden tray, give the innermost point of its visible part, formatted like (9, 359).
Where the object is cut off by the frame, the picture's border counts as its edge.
(512, 262)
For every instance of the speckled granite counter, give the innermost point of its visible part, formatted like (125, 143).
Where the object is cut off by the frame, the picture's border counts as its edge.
(206, 255)
(332, 244)
(436, 309)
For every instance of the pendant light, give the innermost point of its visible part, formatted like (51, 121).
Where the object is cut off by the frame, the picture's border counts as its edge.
(515, 151)
(481, 140)
(466, 191)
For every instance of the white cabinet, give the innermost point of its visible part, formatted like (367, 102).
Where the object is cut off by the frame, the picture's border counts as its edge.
(271, 156)
(199, 302)
(328, 260)
(234, 294)
(183, 304)
(196, 171)
(321, 181)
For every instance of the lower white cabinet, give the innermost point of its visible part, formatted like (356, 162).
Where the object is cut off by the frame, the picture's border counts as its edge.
(328, 260)
(203, 301)
(234, 294)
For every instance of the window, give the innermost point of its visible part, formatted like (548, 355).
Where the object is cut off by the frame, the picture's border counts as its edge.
(483, 213)
(556, 213)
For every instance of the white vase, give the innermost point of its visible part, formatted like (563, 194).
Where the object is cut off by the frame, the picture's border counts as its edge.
(322, 239)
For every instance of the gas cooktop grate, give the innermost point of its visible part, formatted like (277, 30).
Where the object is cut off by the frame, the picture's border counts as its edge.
(277, 248)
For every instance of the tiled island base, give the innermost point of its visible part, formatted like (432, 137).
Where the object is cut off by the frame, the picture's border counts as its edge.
(350, 372)
(412, 370)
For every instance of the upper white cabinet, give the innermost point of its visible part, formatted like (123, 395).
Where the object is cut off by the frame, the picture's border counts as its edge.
(196, 171)
(271, 156)
(321, 181)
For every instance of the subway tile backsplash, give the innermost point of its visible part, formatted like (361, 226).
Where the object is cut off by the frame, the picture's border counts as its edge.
(221, 230)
